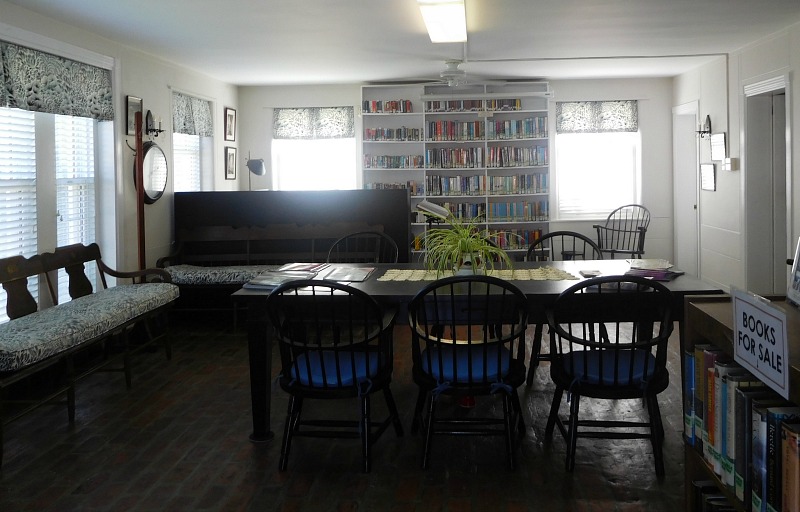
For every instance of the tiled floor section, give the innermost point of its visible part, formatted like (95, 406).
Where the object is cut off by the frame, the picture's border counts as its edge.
(178, 441)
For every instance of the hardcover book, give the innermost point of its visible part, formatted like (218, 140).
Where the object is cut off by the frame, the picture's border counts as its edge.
(775, 417)
(790, 474)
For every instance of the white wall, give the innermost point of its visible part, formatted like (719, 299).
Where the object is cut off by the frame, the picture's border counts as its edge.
(255, 118)
(655, 124)
(151, 79)
(718, 88)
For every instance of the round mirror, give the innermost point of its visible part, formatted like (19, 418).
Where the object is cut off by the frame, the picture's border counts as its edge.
(154, 172)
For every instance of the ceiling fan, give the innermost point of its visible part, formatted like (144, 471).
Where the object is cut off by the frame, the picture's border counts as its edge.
(453, 76)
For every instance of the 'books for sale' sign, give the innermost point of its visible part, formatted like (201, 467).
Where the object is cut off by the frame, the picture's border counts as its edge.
(760, 341)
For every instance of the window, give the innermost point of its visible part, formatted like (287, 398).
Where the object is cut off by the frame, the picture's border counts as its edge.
(598, 154)
(192, 142)
(314, 149)
(49, 138)
(75, 188)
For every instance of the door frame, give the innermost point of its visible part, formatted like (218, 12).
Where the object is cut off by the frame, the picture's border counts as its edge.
(686, 109)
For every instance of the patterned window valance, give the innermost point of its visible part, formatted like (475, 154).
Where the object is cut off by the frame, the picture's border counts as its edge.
(191, 116)
(313, 123)
(597, 116)
(40, 82)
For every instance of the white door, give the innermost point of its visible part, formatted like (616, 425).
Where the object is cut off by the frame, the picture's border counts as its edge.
(684, 175)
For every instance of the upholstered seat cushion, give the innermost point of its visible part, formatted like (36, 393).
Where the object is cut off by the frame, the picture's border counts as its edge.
(459, 365)
(35, 337)
(585, 366)
(353, 367)
(228, 274)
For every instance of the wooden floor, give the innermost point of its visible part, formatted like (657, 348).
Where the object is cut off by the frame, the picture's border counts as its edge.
(179, 441)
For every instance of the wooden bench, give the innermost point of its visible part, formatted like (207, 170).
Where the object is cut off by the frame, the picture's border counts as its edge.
(37, 338)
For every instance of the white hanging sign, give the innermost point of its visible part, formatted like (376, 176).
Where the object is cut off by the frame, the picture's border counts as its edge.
(760, 341)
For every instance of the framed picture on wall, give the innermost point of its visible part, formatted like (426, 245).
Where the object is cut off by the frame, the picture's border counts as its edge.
(230, 124)
(230, 163)
(707, 178)
(133, 105)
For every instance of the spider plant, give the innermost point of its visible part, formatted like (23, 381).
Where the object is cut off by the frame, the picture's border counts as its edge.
(462, 243)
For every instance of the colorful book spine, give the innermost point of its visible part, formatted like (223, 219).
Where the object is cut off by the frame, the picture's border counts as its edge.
(735, 381)
(744, 447)
(700, 393)
(775, 417)
(790, 467)
(722, 368)
(688, 396)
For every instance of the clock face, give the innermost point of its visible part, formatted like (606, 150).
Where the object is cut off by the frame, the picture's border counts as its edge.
(154, 172)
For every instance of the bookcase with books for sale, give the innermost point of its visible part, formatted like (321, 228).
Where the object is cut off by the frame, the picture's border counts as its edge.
(741, 436)
(480, 151)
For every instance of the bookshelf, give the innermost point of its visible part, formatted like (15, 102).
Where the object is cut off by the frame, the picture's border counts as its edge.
(480, 150)
(709, 320)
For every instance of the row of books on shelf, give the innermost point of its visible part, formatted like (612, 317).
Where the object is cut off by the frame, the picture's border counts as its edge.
(474, 158)
(402, 134)
(394, 161)
(746, 433)
(528, 128)
(387, 106)
(510, 129)
(415, 188)
(501, 211)
(472, 105)
(486, 185)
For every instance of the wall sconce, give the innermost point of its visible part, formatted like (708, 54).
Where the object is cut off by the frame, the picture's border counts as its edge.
(705, 129)
(150, 125)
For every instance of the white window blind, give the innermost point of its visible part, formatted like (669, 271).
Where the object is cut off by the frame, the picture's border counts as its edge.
(17, 189)
(186, 157)
(75, 188)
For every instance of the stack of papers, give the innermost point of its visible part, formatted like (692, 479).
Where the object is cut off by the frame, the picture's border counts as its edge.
(349, 274)
(650, 264)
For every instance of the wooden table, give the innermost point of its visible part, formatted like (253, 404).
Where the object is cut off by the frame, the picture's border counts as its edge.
(398, 293)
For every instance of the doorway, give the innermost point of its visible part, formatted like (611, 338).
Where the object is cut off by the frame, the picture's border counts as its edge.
(685, 230)
(766, 187)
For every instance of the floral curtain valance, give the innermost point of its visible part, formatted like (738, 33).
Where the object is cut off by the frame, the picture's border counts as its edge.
(40, 82)
(191, 116)
(597, 116)
(313, 123)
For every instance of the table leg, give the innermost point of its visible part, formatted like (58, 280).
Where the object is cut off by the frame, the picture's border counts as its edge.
(259, 347)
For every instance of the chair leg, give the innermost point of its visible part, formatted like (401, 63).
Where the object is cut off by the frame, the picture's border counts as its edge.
(572, 437)
(398, 425)
(518, 410)
(292, 417)
(426, 454)
(656, 434)
(71, 381)
(365, 432)
(417, 420)
(535, 350)
(553, 417)
(508, 425)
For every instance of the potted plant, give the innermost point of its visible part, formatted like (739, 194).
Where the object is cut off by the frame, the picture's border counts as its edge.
(460, 246)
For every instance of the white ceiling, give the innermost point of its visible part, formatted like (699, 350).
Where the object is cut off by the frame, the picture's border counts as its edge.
(266, 42)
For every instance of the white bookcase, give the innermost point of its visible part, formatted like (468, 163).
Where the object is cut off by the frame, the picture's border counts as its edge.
(480, 150)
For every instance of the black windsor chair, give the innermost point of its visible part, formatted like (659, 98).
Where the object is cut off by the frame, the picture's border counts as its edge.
(364, 247)
(624, 231)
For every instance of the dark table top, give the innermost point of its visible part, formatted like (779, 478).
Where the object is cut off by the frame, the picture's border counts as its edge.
(403, 291)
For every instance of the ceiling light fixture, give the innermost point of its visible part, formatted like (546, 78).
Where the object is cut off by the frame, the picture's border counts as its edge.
(445, 20)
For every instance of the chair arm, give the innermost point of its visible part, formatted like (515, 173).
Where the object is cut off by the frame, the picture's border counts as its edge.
(160, 274)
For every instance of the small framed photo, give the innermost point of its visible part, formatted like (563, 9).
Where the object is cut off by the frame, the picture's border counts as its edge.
(230, 124)
(134, 105)
(707, 178)
(793, 292)
(230, 163)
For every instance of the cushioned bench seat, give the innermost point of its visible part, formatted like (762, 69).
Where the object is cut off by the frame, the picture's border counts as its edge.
(227, 274)
(43, 334)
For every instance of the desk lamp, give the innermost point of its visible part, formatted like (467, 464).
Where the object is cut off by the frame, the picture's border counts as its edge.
(257, 167)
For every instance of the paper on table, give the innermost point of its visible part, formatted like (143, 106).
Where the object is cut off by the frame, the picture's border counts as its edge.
(351, 274)
(650, 264)
(273, 278)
